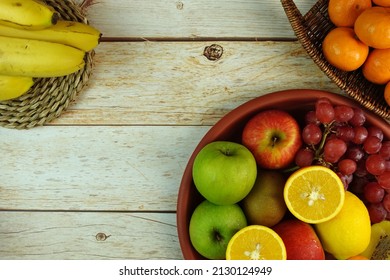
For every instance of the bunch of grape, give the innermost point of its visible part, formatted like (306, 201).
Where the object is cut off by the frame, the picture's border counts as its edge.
(338, 136)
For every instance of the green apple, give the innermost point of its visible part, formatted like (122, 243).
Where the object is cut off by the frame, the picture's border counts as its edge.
(212, 226)
(224, 172)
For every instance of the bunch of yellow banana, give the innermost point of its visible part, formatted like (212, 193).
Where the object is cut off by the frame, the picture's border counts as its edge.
(34, 43)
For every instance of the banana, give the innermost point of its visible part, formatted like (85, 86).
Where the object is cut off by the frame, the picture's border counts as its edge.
(29, 14)
(14, 86)
(33, 58)
(75, 34)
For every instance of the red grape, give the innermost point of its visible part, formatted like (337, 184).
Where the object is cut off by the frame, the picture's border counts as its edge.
(349, 178)
(331, 136)
(345, 133)
(358, 118)
(385, 150)
(311, 134)
(373, 192)
(343, 113)
(344, 179)
(357, 184)
(375, 164)
(384, 180)
(377, 212)
(355, 153)
(386, 202)
(323, 100)
(347, 166)
(310, 117)
(334, 149)
(324, 112)
(304, 157)
(375, 131)
(361, 170)
(372, 145)
(338, 137)
(360, 134)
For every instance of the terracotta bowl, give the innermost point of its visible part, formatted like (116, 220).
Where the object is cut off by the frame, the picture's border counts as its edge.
(295, 101)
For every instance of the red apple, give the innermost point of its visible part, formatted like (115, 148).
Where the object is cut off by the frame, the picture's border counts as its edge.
(274, 137)
(300, 240)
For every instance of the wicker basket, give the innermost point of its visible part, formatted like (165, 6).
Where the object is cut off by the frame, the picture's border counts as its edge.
(310, 30)
(48, 97)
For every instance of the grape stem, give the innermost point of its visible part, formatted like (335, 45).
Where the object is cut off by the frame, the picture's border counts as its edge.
(318, 156)
(291, 169)
(319, 150)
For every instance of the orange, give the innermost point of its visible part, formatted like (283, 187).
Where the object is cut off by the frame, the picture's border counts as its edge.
(376, 68)
(387, 93)
(372, 27)
(383, 3)
(343, 50)
(357, 257)
(314, 194)
(256, 242)
(345, 12)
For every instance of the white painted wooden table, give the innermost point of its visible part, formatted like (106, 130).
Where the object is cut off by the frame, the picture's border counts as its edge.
(101, 182)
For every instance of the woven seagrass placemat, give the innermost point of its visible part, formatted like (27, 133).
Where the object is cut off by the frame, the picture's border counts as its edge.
(48, 98)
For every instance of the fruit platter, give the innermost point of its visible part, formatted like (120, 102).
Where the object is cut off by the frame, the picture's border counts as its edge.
(291, 175)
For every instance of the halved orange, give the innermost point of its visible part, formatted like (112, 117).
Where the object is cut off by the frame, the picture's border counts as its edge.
(314, 194)
(256, 242)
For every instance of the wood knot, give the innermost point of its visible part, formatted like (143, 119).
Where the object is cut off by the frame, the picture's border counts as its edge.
(213, 52)
(179, 5)
(101, 236)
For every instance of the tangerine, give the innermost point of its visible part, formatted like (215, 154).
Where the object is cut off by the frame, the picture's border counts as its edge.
(372, 27)
(383, 3)
(387, 93)
(343, 49)
(376, 68)
(345, 12)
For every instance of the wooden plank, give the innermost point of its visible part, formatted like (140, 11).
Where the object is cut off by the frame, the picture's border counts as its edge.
(193, 19)
(173, 83)
(127, 168)
(41, 235)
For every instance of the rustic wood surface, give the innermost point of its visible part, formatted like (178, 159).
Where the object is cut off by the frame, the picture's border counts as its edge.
(101, 181)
